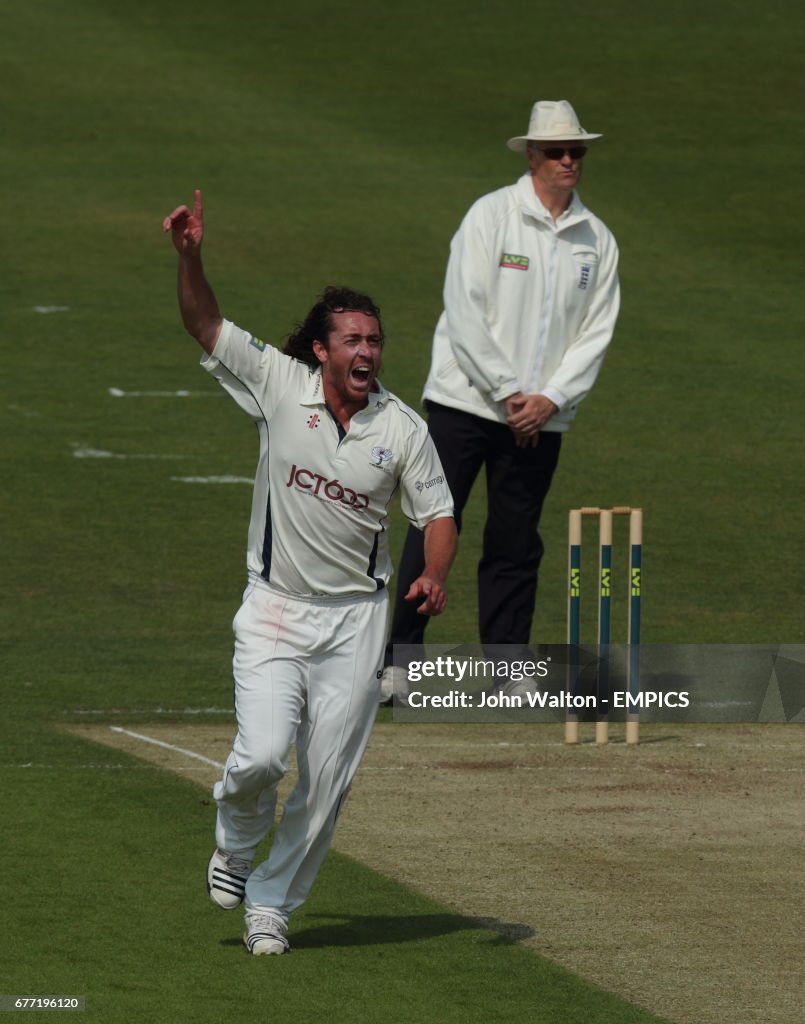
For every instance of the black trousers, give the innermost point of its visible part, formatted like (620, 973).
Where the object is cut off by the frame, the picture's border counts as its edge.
(517, 482)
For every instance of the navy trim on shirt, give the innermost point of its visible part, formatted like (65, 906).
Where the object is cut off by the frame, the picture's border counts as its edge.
(268, 541)
(341, 431)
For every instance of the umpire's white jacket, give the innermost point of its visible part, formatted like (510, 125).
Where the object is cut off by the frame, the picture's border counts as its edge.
(530, 305)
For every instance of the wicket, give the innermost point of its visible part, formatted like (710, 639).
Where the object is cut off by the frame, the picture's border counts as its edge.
(604, 614)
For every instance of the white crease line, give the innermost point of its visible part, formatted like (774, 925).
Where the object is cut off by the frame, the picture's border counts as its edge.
(62, 767)
(153, 711)
(28, 413)
(101, 453)
(50, 309)
(120, 393)
(214, 479)
(726, 703)
(167, 746)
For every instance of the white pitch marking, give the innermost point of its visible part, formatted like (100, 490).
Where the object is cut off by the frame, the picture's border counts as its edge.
(167, 746)
(83, 452)
(119, 393)
(50, 309)
(154, 711)
(213, 479)
(27, 413)
(71, 767)
(726, 704)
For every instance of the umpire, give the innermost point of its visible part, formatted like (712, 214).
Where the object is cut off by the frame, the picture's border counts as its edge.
(531, 297)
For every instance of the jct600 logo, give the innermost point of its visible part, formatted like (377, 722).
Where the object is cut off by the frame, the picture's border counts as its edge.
(321, 487)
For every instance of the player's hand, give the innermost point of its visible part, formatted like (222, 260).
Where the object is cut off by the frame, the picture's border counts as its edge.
(186, 226)
(433, 593)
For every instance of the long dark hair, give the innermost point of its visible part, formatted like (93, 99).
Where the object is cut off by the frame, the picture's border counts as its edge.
(318, 323)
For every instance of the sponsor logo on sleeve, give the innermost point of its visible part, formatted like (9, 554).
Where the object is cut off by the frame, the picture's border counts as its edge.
(513, 261)
(425, 485)
(256, 343)
(584, 276)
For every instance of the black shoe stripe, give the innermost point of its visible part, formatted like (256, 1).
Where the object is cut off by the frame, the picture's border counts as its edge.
(221, 873)
(231, 883)
(229, 892)
(255, 936)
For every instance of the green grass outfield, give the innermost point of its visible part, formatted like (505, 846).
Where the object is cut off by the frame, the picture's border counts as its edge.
(343, 144)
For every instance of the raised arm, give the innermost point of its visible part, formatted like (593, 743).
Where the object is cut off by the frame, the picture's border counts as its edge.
(197, 303)
(441, 541)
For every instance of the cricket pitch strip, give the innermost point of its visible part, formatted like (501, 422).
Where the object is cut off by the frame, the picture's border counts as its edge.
(670, 874)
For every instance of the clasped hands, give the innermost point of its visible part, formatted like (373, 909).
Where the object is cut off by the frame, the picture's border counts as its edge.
(525, 414)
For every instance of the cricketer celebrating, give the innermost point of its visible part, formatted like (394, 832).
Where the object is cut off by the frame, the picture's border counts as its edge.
(334, 446)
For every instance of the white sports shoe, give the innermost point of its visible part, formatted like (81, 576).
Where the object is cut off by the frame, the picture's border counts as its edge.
(265, 934)
(226, 878)
(393, 685)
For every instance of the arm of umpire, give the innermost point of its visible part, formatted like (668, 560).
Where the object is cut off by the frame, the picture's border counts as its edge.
(197, 303)
(441, 541)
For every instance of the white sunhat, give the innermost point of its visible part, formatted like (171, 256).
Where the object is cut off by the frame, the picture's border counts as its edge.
(551, 121)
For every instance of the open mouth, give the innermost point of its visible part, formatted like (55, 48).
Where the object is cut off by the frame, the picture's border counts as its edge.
(361, 374)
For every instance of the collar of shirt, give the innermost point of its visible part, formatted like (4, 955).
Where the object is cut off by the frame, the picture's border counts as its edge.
(531, 203)
(314, 392)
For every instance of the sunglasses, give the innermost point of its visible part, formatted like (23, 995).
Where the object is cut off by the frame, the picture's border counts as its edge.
(557, 152)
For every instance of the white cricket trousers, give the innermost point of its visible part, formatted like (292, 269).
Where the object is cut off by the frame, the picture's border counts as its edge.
(306, 672)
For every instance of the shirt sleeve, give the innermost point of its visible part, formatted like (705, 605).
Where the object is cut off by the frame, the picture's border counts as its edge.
(253, 373)
(424, 493)
(468, 281)
(582, 361)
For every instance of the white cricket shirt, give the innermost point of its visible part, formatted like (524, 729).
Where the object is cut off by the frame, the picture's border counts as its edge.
(529, 305)
(321, 495)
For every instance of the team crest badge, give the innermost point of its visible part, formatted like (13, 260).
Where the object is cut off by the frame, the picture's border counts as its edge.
(381, 455)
